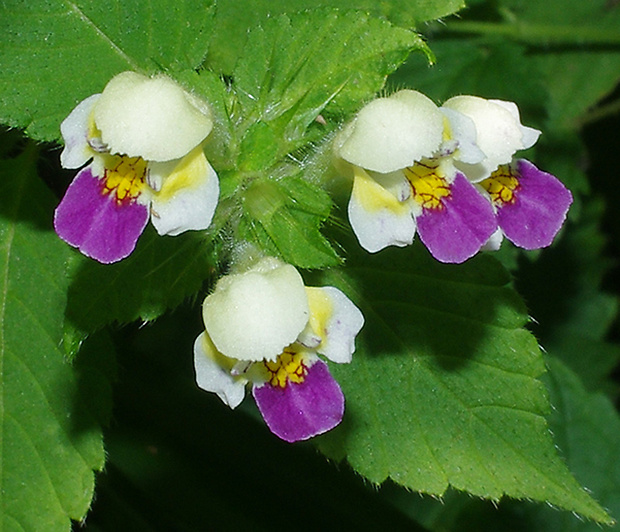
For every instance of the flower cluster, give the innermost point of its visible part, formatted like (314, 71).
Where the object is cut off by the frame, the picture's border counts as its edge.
(143, 139)
(264, 327)
(447, 172)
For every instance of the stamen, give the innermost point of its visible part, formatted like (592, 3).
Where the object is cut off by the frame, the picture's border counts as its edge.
(98, 145)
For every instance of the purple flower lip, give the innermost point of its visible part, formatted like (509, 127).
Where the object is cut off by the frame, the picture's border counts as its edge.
(96, 223)
(456, 231)
(299, 411)
(531, 204)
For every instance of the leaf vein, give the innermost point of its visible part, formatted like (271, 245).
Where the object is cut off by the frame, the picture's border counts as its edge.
(5, 290)
(26, 436)
(59, 421)
(101, 34)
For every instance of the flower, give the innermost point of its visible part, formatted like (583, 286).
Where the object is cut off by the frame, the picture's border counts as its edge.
(264, 327)
(530, 205)
(402, 151)
(144, 138)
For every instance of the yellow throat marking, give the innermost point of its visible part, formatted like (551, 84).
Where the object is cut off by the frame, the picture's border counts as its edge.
(124, 177)
(289, 366)
(428, 185)
(501, 185)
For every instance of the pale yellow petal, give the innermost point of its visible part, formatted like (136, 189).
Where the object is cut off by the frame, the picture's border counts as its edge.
(377, 217)
(256, 314)
(188, 196)
(152, 118)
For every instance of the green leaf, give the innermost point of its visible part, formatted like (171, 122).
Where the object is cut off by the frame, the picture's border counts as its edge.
(587, 429)
(583, 66)
(233, 21)
(160, 274)
(443, 389)
(54, 54)
(260, 148)
(284, 217)
(303, 62)
(573, 314)
(49, 440)
(578, 79)
(587, 432)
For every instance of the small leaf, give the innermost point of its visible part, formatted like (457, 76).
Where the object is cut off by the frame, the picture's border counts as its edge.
(50, 441)
(285, 217)
(232, 23)
(303, 62)
(259, 148)
(443, 389)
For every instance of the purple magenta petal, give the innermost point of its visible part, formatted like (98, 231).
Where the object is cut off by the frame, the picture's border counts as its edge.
(300, 411)
(457, 231)
(95, 223)
(539, 210)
